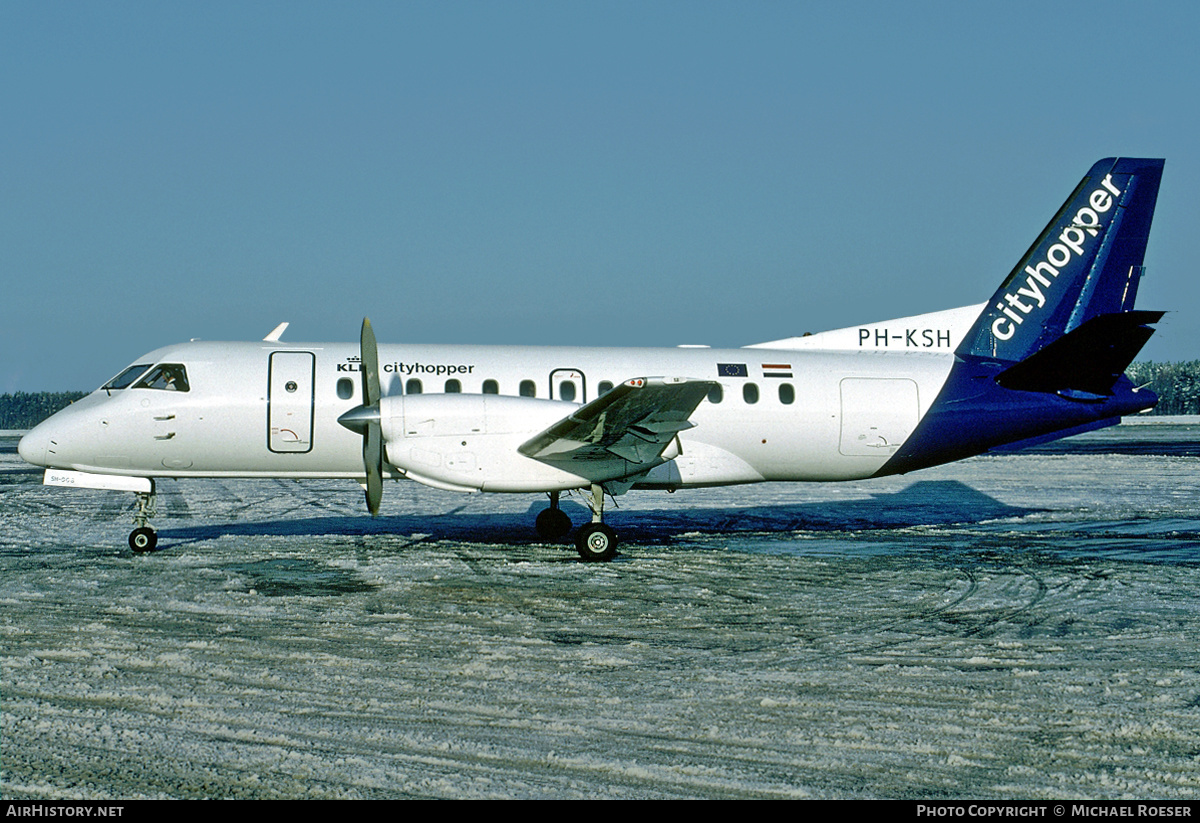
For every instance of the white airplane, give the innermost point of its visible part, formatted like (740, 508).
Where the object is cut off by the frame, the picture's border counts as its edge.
(1043, 359)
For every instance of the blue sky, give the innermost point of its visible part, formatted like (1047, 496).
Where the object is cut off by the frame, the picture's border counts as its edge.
(609, 173)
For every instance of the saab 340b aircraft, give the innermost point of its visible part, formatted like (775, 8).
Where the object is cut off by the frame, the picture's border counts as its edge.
(1042, 359)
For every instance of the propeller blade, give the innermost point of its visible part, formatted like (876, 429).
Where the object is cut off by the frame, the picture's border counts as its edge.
(369, 352)
(373, 462)
(365, 418)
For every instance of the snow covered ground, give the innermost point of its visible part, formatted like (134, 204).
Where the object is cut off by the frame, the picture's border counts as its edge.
(1018, 626)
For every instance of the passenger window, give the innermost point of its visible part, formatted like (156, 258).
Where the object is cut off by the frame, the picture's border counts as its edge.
(787, 394)
(605, 387)
(166, 377)
(491, 387)
(453, 387)
(716, 394)
(750, 393)
(345, 388)
(122, 380)
(413, 386)
(566, 391)
(528, 389)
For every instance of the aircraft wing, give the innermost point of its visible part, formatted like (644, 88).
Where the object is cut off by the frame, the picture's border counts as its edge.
(635, 421)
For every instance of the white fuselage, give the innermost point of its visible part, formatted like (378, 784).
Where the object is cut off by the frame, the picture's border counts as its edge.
(268, 409)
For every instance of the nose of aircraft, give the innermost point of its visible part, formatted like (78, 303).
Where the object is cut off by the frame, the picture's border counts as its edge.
(66, 439)
(32, 447)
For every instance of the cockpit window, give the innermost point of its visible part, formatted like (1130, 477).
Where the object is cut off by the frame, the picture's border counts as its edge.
(165, 376)
(122, 380)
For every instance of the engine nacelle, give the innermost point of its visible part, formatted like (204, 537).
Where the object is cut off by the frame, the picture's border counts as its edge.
(468, 442)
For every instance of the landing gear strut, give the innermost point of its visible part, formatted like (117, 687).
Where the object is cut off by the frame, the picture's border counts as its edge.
(596, 542)
(143, 538)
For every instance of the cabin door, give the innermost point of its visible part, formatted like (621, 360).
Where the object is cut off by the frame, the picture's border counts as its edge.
(290, 382)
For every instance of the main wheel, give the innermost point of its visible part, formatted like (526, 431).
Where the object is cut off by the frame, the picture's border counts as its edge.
(553, 524)
(596, 543)
(143, 539)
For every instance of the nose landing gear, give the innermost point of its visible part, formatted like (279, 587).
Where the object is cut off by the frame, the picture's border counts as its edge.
(144, 538)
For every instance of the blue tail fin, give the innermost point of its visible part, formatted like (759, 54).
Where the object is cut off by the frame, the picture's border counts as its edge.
(1086, 263)
(1046, 357)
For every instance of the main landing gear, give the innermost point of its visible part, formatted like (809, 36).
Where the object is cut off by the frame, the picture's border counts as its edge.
(595, 542)
(144, 538)
(553, 523)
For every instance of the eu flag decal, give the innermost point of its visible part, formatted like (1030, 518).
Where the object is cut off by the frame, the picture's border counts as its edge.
(732, 370)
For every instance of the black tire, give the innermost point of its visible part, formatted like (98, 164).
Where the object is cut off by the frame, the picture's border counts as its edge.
(596, 543)
(143, 539)
(553, 524)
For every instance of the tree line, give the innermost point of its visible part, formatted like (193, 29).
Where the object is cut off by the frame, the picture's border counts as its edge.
(1176, 384)
(24, 410)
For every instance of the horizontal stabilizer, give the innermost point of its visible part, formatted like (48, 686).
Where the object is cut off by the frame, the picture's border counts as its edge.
(1088, 359)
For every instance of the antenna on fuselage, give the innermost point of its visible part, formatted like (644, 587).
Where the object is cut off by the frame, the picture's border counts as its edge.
(276, 333)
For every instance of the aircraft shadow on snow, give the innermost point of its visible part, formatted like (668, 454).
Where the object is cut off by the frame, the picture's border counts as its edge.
(925, 503)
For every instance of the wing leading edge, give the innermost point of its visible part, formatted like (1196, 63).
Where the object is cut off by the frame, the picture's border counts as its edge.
(636, 421)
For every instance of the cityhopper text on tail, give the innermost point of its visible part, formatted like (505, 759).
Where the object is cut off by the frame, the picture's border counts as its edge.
(1043, 358)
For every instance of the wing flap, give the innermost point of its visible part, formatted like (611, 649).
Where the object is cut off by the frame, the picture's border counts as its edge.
(635, 422)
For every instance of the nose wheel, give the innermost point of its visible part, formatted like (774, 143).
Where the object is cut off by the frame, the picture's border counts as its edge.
(143, 539)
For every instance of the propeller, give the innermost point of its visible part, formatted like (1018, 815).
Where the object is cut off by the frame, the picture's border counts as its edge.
(364, 419)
